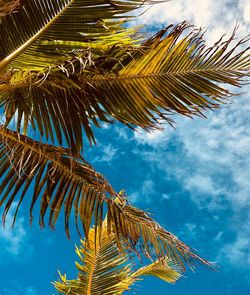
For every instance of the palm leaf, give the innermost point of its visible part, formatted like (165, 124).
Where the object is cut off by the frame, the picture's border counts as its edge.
(105, 270)
(164, 269)
(172, 75)
(55, 29)
(59, 178)
(137, 86)
(55, 175)
(142, 233)
(45, 106)
(29, 56)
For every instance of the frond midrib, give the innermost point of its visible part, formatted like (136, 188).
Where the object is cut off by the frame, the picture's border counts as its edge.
(163, 74)
(20, 49)
(92, 270)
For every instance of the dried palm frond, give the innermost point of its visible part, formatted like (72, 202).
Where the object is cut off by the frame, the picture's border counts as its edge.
(58, 178)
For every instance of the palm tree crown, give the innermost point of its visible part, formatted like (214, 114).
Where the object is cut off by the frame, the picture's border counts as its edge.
(66, 65)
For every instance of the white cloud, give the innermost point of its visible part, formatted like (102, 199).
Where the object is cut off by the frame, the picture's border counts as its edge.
(211, 161)
(237, 251)
(246, 13)
(144, 192)
(165, 197)
(134, 197)
(154, 138)
(108, 153)
(212, 164)
(148, 187)
(220, 150)
(105, 125)
(213, 152)
(218, 17)
(13, 241)
(122, 133)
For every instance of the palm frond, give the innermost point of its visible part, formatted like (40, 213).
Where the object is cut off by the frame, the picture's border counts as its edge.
(103, 269)
(55, 29)
(9, 6)
(143, 234)
(163, 269)
(54, 175)
(171, 75)
(57, 178)
(44, 105)
(137, 86)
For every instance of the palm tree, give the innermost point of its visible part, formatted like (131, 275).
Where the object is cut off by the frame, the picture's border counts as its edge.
(66, 65)
(104, 269)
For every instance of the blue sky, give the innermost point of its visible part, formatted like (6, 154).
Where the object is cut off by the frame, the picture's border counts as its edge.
(194, 179)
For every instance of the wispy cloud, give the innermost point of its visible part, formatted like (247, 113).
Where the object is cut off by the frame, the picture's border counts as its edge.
(30, 291)
(144, 192)
(14, 241)
(18, 289)
(209, 158)
(153, 138)
(108, 153)
(218, 16)
(211, 162)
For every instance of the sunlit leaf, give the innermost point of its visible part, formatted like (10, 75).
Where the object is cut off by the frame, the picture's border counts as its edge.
(103, 269)
(46, 33)
(138, 86)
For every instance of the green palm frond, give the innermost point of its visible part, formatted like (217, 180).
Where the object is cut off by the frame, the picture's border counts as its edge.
(9, 6)
(59, 179)
(46, 33)
(173, 74)
(105, 270)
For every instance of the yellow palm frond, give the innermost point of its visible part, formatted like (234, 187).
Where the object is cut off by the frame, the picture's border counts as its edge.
(55, 175)
(38, 41)
(57, 178)
(163, 269)
(44, 105)
(104, 269)
(143, 233)
(46, 33)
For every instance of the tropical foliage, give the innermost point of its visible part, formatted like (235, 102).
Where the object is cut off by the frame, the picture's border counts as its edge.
(106, 270)
(60, 178)
(68, 65)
